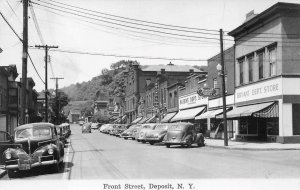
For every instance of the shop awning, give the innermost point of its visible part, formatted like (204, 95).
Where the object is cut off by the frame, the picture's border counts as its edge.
(251, 110)
(152, 119)
(143, 120)
(187, 114)
(210, 114)
(136, 120)
(167, 118)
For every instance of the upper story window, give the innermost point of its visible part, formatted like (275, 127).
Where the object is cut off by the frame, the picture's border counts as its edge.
(260, 57)
(175, 99)
(250, 63)
(165, 95)
(215, 83)
(272, 61)
(241, 64)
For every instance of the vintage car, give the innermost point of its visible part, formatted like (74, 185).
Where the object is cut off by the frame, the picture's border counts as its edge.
(103, 127)
(67, 128)
(140, 135)
(129, 133)
(6, 141)
(36, 144)
(108, 128)
(183, 134)
(86, 128)
(95, 126)
(81, 123)
(121, 128)
(61, 133)
(157, 135)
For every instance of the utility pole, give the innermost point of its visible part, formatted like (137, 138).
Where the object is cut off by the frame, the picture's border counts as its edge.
(223, 89)
(57, 101)
(24, 61)
(46, 47)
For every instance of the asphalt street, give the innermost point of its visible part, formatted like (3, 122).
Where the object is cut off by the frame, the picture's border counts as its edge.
(100, 156)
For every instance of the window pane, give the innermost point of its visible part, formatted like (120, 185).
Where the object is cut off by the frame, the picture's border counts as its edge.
(260, 65)
(250, 62)
(272, 61)
(241, 63)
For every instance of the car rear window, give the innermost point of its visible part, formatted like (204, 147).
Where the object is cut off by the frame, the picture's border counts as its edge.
(161, 127)
(175, 127)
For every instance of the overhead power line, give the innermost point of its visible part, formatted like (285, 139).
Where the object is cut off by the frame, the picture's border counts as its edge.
(125, 56)
(132, 27)
(22, 42)
(137, 20)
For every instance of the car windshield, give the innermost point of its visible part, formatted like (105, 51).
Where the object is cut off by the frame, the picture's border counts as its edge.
(176, 127)
(147, 126)
(161, 127)
(34, 132)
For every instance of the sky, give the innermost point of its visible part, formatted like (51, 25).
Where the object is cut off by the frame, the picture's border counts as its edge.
(102, 27)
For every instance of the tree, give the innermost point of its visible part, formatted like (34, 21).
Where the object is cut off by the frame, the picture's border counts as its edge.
(100, 118)
(57, 105)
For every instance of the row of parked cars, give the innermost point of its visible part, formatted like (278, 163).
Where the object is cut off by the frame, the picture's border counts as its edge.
(184, 134)
(33, 145)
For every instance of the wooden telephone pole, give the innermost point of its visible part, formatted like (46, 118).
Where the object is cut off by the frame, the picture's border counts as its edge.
(46, 47)
(57, 101)
(24, 61)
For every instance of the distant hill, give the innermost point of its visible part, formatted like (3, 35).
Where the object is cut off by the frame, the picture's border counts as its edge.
(85, 90)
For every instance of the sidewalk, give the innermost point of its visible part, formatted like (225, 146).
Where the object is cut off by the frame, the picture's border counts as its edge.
(219, 143)
(2, 173)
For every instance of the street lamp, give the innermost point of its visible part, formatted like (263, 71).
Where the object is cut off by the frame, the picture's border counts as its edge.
(221, 73)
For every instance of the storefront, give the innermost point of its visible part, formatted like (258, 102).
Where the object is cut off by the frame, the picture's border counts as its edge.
(212, 119)
(268, 111)
(190, 106)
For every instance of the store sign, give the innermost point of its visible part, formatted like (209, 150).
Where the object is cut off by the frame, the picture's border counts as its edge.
(207, 92)
(259, 90)
(192, 100)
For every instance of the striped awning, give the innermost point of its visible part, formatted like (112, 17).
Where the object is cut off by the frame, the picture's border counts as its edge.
(187, 114)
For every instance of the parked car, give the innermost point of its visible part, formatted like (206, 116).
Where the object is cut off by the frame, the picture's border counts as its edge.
(36, 144)
(68, 129)
(108, 128)
(140, 134)
(95, 126)
(6, 141)
(103, 127)
(129, 133)
(121, 128)
(157, 135)
(81, 123)
(62, 135)
(86, 128)
(183, 134)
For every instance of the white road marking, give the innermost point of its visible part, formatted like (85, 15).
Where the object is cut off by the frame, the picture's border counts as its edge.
(66, 159)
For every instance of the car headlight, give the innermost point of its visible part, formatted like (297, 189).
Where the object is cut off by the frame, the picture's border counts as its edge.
(50, 151)
(8, 155)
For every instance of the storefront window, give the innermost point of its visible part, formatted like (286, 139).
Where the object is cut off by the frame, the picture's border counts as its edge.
(243, 129)
(273, 127)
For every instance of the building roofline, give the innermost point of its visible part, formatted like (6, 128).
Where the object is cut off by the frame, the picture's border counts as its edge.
(263, 15)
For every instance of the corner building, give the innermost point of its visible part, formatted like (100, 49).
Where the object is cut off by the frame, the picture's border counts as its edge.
(267, 75)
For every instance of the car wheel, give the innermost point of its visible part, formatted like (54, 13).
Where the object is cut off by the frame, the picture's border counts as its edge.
(125, 138)
(133, 139)
(201, 143)
(143, 141)
(167, 145)
(55, 168)
(189, 144)
(138, 140)
(12, 173)
(152, 143)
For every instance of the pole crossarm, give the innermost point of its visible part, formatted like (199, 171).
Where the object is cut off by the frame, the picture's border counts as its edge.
(46, 47)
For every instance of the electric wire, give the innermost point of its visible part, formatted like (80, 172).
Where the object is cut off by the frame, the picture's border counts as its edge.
(36, 24)
(124, 56)
(137, 20)
(142, 38)
(22, 43)
(132, 27)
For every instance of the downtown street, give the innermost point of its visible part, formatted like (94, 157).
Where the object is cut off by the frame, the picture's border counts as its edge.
(100, 156)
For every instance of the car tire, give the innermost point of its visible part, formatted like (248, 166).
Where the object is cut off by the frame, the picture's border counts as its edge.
(125, 138)
(12, 173)
(55, 168)
(144, 142)
(138, 140)
(152, 143)
(167, 145)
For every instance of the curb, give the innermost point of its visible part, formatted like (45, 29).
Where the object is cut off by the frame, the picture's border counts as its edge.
(250, 149)
(2, 173)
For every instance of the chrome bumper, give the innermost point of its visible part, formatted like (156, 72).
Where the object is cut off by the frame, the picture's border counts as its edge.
(30, 165)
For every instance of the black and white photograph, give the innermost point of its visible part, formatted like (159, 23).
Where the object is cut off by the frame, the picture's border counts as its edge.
(149, 94)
